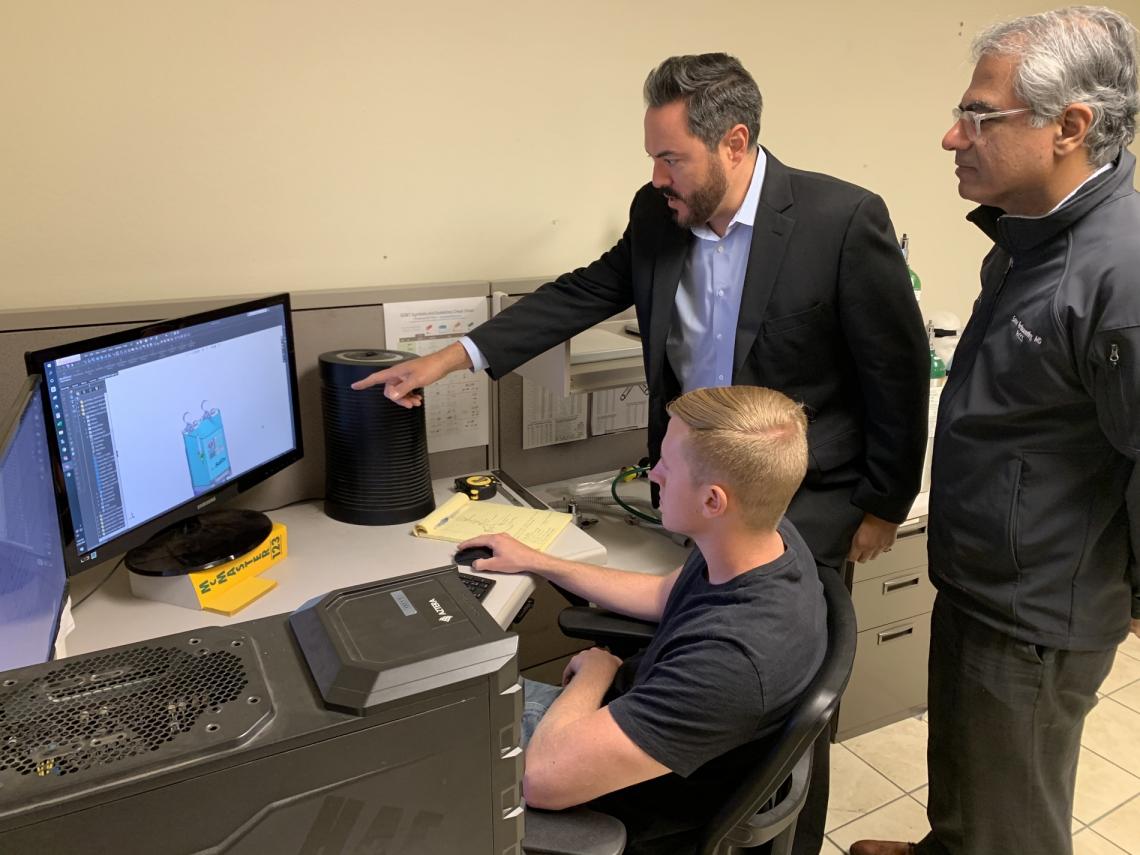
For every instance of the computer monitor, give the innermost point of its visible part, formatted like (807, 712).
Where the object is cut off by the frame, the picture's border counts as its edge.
(33, 582)
(154, 425)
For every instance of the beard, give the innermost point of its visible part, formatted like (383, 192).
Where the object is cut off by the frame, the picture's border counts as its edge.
(702, 202)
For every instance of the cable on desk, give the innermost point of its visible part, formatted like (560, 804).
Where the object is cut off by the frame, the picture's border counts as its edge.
(100, 584)
(290, 504)
(624, 475)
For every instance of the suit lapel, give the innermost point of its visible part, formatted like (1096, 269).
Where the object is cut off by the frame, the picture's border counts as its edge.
(770, 235)
(667, 266)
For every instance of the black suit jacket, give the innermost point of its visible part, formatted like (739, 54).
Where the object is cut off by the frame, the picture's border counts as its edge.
(827, 316)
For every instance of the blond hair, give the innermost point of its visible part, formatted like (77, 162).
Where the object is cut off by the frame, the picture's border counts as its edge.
(750, 440)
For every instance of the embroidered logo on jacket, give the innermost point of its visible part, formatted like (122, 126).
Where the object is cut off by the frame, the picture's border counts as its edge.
(1022, 333)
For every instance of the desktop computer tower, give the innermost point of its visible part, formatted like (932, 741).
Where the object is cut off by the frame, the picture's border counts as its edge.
(382, 718)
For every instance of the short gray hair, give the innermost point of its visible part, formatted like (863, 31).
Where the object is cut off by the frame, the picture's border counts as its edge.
(1080, 55)
(717, 90)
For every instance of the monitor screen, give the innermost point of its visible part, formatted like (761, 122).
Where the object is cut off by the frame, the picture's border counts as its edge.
(33, 582)
(154, 424)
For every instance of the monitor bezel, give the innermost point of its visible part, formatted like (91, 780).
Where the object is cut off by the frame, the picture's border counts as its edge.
(10, 422)
(35, 360)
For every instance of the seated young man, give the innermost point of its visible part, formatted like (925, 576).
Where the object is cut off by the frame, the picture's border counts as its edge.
(742, 630)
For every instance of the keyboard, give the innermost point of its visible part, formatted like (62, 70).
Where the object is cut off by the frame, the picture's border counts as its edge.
(477, 585)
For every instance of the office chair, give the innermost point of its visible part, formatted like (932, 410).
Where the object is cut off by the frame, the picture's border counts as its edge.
(765, 805)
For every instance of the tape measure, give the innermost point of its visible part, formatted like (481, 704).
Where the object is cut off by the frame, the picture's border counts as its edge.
(477, 486)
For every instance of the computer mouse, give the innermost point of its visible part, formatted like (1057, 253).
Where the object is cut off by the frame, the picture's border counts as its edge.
(466, 556)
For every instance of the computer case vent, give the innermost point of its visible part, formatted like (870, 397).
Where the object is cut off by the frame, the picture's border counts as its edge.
(132, 707)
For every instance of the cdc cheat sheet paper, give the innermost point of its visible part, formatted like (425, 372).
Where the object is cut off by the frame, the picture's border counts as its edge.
(458, 414)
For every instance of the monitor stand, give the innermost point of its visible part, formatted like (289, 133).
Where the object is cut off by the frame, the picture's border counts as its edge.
(200, 542)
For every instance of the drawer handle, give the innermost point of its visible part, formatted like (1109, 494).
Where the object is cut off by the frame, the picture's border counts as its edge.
(899, 584)
(893, 634)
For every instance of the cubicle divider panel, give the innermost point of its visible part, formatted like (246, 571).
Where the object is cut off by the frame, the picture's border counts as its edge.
(566, 460)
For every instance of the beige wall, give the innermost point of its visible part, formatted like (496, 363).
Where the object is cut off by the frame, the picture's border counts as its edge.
(165, 149)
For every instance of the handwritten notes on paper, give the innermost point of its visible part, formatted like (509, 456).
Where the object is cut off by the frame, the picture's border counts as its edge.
(459, 518)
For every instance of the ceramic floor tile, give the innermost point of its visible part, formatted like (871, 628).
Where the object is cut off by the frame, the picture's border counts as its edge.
(902, 819)
(1112, 730)
(1129, 696)
(897, 750)
(921, 795)
(1131, 646)
(856, 789)
(1101, 787)
(1125, 670)
(1122, 826)
(830, 848)
(1088, 842)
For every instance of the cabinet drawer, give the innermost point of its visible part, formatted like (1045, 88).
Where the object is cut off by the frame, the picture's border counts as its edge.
(890, 598)
(909, 551)
(888, 680)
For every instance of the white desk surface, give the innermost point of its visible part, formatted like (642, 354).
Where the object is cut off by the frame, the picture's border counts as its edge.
(636, 547)
(323, 555)
(628, 546)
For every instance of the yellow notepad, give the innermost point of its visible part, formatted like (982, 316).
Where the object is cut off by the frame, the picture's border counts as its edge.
(459, 519)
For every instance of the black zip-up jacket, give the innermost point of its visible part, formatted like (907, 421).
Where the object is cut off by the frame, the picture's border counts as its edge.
(1035, 499)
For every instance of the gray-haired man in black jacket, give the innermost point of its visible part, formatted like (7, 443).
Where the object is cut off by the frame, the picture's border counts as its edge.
(1035, 502)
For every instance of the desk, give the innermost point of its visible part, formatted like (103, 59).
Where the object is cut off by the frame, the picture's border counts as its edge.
(629, 546)
(324, 554)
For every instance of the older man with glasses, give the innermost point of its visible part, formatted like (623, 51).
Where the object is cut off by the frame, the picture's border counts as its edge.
(1035, 501)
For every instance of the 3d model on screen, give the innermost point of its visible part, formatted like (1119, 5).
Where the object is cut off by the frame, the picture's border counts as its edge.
(206, 453)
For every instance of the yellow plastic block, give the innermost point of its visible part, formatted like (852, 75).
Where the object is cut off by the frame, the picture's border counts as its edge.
(235, 597)
(229, 587)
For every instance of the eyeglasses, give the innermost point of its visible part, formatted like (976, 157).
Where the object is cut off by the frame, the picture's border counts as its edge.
(971, 120)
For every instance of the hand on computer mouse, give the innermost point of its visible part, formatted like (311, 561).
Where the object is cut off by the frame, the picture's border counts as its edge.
(468, 556)
(503, 554)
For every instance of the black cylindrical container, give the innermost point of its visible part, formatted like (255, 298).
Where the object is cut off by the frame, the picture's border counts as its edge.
(376, 457)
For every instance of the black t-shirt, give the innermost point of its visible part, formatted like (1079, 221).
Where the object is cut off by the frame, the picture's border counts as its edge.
(724, 669)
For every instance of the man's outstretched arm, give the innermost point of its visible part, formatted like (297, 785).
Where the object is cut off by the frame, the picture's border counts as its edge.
(401, 380)
(638, 595)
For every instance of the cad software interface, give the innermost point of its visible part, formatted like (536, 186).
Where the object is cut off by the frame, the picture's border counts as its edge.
(147, 425)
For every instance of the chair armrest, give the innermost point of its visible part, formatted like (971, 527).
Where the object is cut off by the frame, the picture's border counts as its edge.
(768, 824)
(605, 627)
(578, 831)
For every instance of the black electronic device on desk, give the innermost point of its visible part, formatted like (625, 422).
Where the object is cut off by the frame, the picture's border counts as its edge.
(376, 451)
(380, 717)
(156, 426)
(33, 582)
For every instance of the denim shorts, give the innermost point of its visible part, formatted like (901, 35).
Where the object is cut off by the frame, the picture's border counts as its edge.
(537, 698)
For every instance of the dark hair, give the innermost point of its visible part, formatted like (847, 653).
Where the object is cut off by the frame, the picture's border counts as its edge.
(718, 94)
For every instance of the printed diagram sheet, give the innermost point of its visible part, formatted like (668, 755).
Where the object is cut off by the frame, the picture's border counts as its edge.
(458, 406)
(615, 410)
(548, 420)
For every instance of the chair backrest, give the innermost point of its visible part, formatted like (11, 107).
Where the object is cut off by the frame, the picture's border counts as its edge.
(803, 726)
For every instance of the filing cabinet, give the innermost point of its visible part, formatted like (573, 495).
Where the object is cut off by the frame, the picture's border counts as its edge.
(893, 599)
